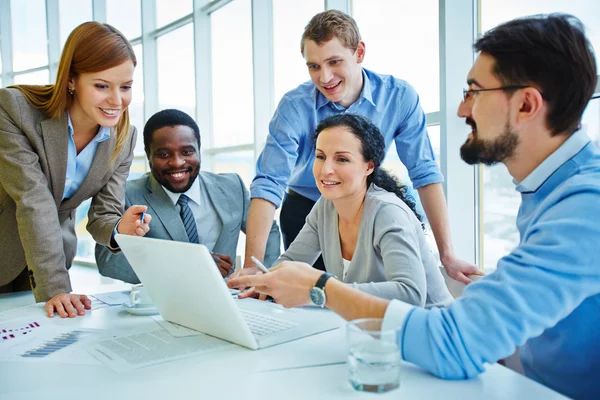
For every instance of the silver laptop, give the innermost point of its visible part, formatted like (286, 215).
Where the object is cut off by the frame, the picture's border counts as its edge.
(187, 289)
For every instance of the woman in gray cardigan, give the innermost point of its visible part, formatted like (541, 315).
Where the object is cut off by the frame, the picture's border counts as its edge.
(365, 224)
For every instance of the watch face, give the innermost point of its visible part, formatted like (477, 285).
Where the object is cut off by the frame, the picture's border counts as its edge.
(317, 296)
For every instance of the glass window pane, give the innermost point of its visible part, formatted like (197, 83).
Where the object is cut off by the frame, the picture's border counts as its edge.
(239, 162)
(402, 39)
(500, 200)
(136, 108)
(71, 13)
(33, 78)
(591, 120)
(139, 167)
(85, 243)
(170, 10)
(289, 20)
(176, 79)
(30, 43)
(232, 74)
(126, 16)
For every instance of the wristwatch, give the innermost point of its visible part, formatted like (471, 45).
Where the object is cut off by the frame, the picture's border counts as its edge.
(317, 293)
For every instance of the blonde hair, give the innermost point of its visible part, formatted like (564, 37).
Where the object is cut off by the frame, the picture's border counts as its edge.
(91, 47)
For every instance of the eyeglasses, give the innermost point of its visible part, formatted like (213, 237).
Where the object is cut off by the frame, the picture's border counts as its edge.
(469, 93)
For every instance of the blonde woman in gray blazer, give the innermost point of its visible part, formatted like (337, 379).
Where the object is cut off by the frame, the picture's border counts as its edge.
(365, 225)
(60, 145)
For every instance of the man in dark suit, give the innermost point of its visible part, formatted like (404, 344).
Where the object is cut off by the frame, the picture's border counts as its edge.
(186, 205)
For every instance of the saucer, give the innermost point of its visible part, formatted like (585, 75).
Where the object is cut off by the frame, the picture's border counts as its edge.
(133, 309)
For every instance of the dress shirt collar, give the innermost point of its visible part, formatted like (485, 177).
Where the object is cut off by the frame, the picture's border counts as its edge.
(193, 193)
(564, 153)
(366, 93)
(102, 135)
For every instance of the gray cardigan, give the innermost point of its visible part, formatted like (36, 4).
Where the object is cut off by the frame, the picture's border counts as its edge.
(391, 260)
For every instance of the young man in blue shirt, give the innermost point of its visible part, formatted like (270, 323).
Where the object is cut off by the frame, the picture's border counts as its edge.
(527, 92)
(334, 52)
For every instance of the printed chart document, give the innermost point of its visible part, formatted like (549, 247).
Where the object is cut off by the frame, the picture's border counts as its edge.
(133, 351)
(113, 298)
(175, 330)
(38, 340)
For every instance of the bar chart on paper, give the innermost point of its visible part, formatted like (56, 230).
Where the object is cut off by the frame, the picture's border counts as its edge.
(55, 344)
(16, 332)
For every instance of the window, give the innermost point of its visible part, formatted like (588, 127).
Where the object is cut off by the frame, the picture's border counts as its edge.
(232, 75)
(289, 21)
(33, 78)
(29, 40)
(402, 39)
(136, 108)
(239, 162)
(500, 201)
(168, 11)
(71, 14)
(126, 16)
(176, 79)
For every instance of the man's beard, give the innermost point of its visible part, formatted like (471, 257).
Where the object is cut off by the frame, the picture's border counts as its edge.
(489, 152)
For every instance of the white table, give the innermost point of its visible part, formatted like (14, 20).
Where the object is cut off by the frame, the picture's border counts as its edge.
(301, 369)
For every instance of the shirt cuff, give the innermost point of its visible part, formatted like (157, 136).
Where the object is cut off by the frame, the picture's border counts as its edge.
(113, 243)
(394, 318)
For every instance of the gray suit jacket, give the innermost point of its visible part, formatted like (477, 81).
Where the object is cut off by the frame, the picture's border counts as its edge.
(228, 196)
(391, 260)
(37, 228)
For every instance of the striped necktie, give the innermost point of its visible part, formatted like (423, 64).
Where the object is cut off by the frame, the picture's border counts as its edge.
(189, 222)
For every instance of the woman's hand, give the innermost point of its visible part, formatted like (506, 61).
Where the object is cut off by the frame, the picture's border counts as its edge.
(288, 283)
(68, 305)
(131, 223)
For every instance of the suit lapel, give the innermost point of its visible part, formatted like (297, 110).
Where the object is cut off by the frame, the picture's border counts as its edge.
(221, 205)
(55, 134)
(165, 211)
(99, 168)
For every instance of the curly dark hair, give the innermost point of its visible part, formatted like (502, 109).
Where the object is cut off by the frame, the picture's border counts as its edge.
(169, 117)
(372, 149)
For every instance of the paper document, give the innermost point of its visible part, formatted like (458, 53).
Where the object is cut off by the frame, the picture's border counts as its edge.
(39, 339)
(126, 353)
(113, 298)
(175, 329)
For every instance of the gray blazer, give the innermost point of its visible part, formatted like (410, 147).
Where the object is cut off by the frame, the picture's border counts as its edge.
(37, 228)
(391, 260)
(228, 196)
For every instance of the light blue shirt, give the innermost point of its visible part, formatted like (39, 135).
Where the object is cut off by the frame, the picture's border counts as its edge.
(78, 165)
(544, 295)
(390, 103)
(208, 223)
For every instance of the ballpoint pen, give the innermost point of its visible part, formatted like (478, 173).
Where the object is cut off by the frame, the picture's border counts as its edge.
(142, 215)
(259, 264)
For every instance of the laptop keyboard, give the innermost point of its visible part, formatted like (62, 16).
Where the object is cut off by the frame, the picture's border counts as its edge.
(261, 325)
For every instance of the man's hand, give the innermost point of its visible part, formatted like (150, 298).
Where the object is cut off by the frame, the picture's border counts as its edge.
(131, 224)
(223, 262)
(288, 283)
(68, 305)
(458, 269)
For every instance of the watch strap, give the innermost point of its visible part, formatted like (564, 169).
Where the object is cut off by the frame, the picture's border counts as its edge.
(322, 280)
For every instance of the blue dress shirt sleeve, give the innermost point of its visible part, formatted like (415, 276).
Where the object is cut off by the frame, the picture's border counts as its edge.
(275, 163)
(412, 141)
(539, 284)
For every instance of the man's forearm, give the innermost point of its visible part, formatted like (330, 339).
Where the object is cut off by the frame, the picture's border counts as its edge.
(434, 204)
(352, 303)
(258, 226)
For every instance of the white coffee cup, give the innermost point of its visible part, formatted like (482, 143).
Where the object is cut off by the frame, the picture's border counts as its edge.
(140, 297)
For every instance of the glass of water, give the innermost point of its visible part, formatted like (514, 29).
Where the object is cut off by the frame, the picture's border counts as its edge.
(373, 356)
